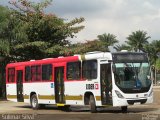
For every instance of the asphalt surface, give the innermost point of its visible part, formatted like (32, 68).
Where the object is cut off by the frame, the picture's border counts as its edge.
(22, 111)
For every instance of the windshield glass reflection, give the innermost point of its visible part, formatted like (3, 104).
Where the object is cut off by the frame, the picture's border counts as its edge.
(132, 75)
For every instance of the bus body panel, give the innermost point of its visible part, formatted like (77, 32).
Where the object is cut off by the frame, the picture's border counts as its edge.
(74, 90)
(44, 91)
(11, 92)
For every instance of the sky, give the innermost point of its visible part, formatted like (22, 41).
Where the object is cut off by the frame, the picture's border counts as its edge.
(118, 17)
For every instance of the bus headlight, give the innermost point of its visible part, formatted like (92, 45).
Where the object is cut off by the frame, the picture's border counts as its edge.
(119, 94)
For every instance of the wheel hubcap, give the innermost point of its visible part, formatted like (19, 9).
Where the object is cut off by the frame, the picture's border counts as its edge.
(34, 102)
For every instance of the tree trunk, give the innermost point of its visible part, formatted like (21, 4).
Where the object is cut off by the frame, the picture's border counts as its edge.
(2, 81)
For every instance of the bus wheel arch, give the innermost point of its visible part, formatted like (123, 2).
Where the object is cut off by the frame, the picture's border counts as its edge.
(32, 93)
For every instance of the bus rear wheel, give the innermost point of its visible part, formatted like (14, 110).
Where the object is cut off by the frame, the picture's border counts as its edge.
(92, 104)
(34, 102)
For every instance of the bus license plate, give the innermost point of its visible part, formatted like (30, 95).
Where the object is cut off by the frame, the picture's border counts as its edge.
(137, 103)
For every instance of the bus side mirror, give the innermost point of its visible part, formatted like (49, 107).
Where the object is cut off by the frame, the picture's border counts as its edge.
(114, 68)
(148, 77)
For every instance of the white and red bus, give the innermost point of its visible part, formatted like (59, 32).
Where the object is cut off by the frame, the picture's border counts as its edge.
(95, 79)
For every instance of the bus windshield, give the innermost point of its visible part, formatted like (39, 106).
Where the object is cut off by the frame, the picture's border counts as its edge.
(132, 77)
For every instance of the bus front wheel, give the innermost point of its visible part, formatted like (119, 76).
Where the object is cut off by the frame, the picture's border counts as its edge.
(34, 102)
(92, 104)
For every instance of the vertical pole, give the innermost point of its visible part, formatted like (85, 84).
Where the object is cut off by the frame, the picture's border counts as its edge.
(153, 74)
(155, 77)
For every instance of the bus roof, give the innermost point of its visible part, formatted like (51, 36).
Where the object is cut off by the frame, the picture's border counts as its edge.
(44, 61)
(87, 56)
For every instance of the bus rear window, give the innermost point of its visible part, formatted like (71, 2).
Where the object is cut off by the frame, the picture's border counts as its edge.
(11, 75)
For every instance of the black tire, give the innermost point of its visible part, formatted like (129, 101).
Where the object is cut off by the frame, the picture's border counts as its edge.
(34, 102)
(92, 104)
(124, 109)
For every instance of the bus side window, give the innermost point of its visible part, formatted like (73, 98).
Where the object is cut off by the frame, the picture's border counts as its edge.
(89, 69)
(33, 73)
(47, 72)
(36, 73)
(27, 73)
(11, 75)
(74, 70)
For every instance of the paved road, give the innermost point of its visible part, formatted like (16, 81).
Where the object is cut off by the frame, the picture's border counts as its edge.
(12, 110)
(22, 110)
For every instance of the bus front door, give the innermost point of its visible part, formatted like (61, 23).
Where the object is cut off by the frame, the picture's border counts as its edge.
(20, 97)
(106, 84)
(59, 85)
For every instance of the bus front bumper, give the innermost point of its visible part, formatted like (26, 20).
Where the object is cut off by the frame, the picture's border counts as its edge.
(126, 102)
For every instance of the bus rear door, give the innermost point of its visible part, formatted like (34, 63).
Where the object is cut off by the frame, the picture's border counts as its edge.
(20, 97)
(59, 84)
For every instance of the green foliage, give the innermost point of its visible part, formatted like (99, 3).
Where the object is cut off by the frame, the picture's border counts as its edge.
(54, 51)
(94, 45)
(107, 40)
(30, 33)
(152, 49)
(137, 40)
(100, 44)
(4, 44)
(158, 64)
(4, 14)
(37, 47)
(81, 48)
(45, 27)
(121, 47)
(4, 48)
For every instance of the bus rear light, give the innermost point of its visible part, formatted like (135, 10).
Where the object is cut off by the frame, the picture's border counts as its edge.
(119, 94)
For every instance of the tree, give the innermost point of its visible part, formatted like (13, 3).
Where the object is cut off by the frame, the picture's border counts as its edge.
(4, 49)
(27, 32)
(121, 47)
(81, 48)
(33, 34)
(107, 40)
(100, 44)
(152, 49)
(4, 45)
(137, 40)
(158, 65)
